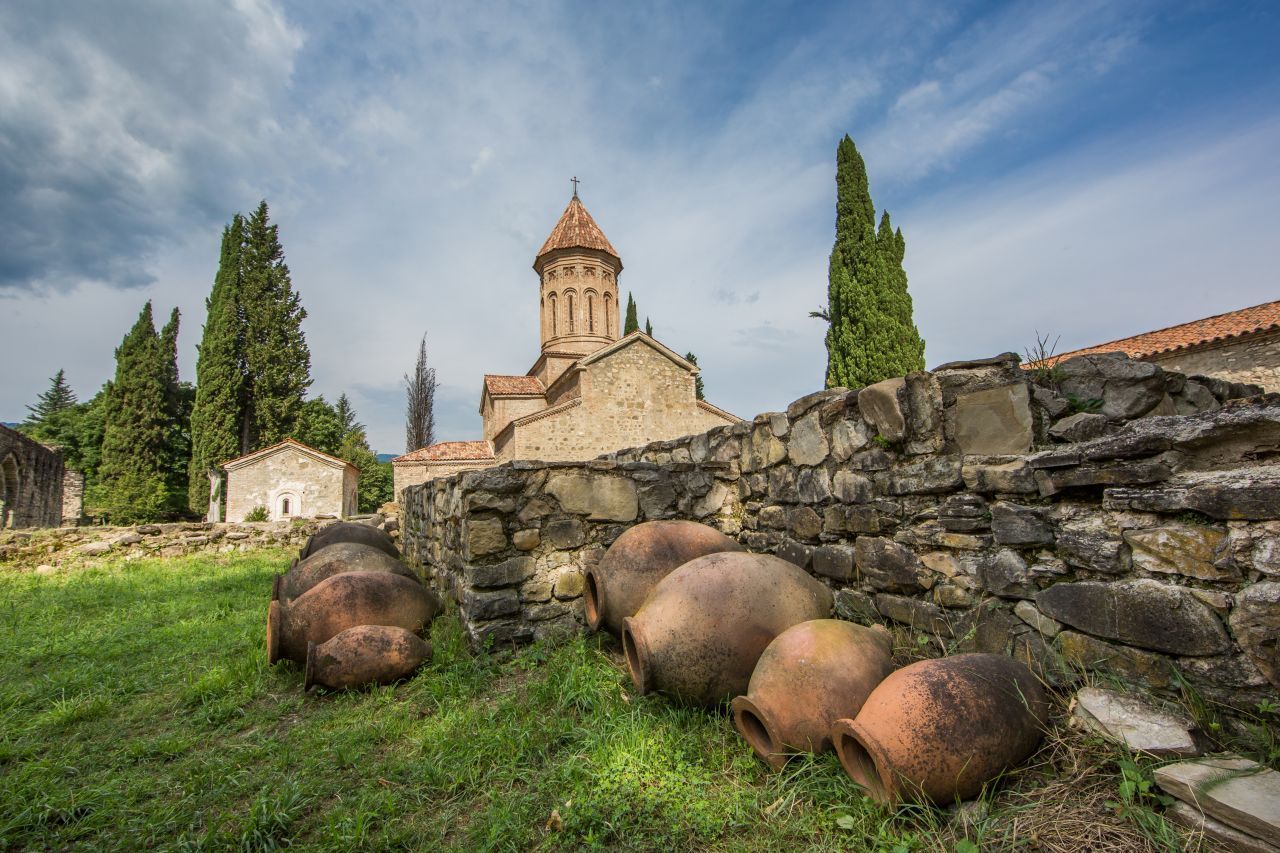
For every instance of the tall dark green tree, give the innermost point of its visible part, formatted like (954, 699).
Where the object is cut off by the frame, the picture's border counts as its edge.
(277, 360)
(870, 333)
(698, 390)
(648, 327)
(420, 392)
(218, 416)
(57, 399)
(633, 321)
(133, 475)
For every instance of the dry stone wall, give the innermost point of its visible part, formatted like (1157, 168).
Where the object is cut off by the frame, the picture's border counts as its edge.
(1111, 517)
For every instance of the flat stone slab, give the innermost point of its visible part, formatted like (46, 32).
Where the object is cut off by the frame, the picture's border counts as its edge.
(1190, 817)
(1134, 722)
(1241, 793)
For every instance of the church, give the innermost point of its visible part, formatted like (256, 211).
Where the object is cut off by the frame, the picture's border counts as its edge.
(590, 390)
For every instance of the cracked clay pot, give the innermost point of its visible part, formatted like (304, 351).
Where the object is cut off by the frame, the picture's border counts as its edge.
(637, 560)
(334, 560)
(698, 635)
(345, 601)
(365, 654)
(811, 675)
(940, 729)
(349, 531)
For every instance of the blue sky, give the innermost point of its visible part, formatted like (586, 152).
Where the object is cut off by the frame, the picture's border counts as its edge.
(1086, 170)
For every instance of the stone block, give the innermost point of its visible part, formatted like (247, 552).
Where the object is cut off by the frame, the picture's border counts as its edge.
(1027, 612)
(1255, 622)
(569, 585)
(834, 561)
(600, 497)
(484, 536)
(951, 595)
(924, 414)
(1090, 653)
(1237, 791)
(94, 549)
(883, 406)
(920, 615)
(804, 523)
(1143, 613)
(526, 540)
(807, 444)
(657, 499)
(1176, 549)
(1115, 474)
(989, 627)
(762, 450)
(1005, 574)
(813, 485)
(1011, 477)
(490, 605)
(1014, 524)
(773, 517)
(937, 475)
(795, 552)
(507, 573)
(855, 606)
(1082, 426)
(1087, 543)
(1227, 837)
(848, 436)
(564, 533)
(993, 421)
(1134, 722)
(850, 519)
(782, 484)
(887, 565)
(851, 487)
(1127, 388)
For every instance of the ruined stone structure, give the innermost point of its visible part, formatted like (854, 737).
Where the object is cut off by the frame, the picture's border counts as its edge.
(590, 390)
(31, 484)
(969, 506)
(291, 480)
(1239, 346)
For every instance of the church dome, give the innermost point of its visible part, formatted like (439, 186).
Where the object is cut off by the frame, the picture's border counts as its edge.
(577, 230)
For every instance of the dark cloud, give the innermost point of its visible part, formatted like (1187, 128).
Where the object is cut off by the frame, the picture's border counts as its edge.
(120, 125)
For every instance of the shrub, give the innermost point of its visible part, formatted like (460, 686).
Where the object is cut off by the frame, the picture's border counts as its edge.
(258, 513)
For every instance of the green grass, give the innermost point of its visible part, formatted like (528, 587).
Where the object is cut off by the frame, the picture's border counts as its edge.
(137, 710)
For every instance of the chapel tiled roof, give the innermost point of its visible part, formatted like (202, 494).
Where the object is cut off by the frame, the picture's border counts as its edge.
(577, 230)
(449, 451)
(499, 386)
(1233, 324)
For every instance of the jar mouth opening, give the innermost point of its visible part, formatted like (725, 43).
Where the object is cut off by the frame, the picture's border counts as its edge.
(859, 760)
(636, 651)
(593, 600)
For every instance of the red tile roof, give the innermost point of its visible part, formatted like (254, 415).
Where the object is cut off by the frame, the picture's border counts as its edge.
(1219, 327)
(500, 386)
(449, 451)
(577, 230)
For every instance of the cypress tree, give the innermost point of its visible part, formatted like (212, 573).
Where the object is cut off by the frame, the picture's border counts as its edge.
(57, 399)
(648, 327)
(633, 321)
(870, 335)
(698, 390)
(218, 414)
(132, 474)
(278, 363)
(420, 391)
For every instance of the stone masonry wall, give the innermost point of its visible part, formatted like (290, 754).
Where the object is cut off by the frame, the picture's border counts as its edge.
(983, 511)
(31, 476)
(1255, 359)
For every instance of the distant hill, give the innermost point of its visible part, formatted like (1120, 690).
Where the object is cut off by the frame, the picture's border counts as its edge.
(387, 457)
(9, 425)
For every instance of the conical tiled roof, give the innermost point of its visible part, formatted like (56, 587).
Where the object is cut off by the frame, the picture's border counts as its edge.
(577, 230)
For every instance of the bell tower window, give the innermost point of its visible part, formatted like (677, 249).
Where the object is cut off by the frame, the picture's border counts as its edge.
(591, 313)
(571, 318)
(555, 320)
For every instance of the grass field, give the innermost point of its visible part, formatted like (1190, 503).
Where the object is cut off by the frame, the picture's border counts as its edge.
(137, 710)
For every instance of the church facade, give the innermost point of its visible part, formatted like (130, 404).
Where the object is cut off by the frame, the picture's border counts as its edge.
(590, 390)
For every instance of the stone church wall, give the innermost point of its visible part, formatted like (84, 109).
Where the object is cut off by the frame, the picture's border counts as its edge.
(1255, 359)
(968, 506)
(313, 487)
(31, 476)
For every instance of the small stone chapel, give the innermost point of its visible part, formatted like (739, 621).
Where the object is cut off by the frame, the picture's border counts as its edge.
(590, 390)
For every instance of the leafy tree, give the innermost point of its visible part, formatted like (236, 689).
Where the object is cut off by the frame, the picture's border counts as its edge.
(57, 399)
(346, 415)
(277, 360)
(420, 389)
(218, 414)
(375, 487)
(870, 333)
(698, 390)
(633, 321)
(133, 475)
(320, 426)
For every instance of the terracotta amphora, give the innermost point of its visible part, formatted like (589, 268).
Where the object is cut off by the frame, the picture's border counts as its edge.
(811, 675)
(365, 654)
(939, 730)
(349, 531)
(698, 635)
(334, 560)
(344, 601)
(637, 560)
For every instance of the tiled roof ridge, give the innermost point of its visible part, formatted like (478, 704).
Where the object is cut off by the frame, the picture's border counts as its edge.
(441, 451)
(577, 230)
(499, 384)
(1206, 330)
(279, 445)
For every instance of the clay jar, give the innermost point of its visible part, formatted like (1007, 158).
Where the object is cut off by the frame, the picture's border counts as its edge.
(334, 560)
(698, 635)
(811, 675)
(349, 531)
(344, 601)
(637, 560)
(365, 654)
(940, 729)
